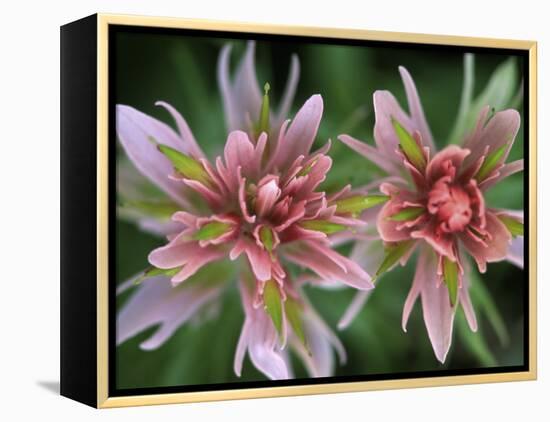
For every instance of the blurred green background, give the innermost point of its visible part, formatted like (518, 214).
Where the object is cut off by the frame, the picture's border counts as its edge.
(182, 71)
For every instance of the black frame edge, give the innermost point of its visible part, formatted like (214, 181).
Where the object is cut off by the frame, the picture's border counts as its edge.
(78, 364)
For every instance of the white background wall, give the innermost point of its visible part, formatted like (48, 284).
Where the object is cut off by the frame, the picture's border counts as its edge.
(29, 238)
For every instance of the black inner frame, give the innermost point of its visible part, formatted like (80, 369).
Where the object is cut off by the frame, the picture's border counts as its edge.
(113, 30)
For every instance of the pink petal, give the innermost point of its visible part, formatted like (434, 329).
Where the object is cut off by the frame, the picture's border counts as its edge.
(213, 198)
(446, 162)
(319, 362)
(158, 228)
(289, 92)
(415, 108)
(416, 287)
(436, 306)
(515, 251)
(299, 137)
(443, 244)
(354, 308)
(315, 177)
(187, 254)
(329, 265)
(259, 259)
(191, 146)
(466, 303)
(386, 107)
(473, 138)
(389, 230)
(497, 243)
(231, 113)
(260, 338)
(241, 97)
(502, 173)
(372, 154)
(239, 151)
(502, 128)
(157, 302)
(134, 129)
(246, 91)
(266, 197)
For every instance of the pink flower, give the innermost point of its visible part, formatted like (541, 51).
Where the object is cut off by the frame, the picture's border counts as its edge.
(242, 97)
(439, 206)
(260, 201)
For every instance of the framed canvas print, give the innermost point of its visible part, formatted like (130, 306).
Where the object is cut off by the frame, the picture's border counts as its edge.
(254, 211)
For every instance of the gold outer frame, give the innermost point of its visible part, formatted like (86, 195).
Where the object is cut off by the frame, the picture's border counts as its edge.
(103, 399)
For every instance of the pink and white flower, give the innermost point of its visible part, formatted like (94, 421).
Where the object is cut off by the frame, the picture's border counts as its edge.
(259, 203)
(439, 206)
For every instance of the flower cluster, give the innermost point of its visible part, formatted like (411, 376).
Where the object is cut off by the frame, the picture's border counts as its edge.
(261, 200)
(438, 206)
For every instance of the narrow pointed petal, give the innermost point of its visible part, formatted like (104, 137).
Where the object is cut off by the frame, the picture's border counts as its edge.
(415, 108)
(420, 277)
(391, 230)
(437, 310)
(191, 146)
(370, 153)
(289, 92)
(241, 95)
(260, 338)
(224, 82)
(320, 340)
(301, 133)
(386, 108)
(501, 129)
(259, 259)
(329, 265)
(505, 171)
(240, 351)
(135, 130)
(239, 152)
(156, 302)
(354, 308)
(188, 255)
(496, 244)
(466, 303)
(515, 251)
(248, 97)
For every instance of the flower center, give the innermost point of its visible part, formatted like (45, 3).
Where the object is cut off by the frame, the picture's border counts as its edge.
(451, 205)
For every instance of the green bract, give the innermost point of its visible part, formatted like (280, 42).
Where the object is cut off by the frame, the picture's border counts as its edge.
(211, 230)
(409, 146)
(273, 304)
(187, 166)
(357, 204)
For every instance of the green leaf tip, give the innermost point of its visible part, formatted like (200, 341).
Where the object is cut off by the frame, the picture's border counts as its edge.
(211, 230)
(323, 226)
(490, 163)
(409, 146)
(154, 271)
(263, 124)
(306, 170)
(407, 214)
(450, 276)
(187, 166)
(160, 210)
(355, 205)
(266, 237)
(393, 254)
(273, 305)
(514, 226)
(293, 312)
